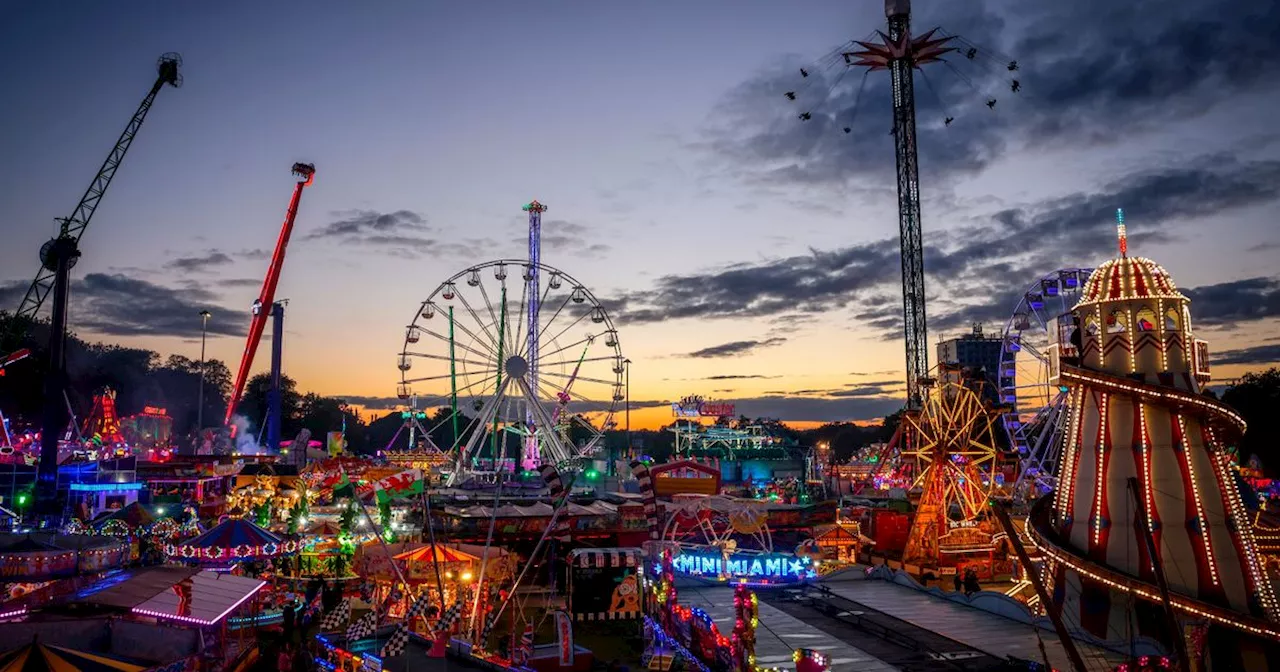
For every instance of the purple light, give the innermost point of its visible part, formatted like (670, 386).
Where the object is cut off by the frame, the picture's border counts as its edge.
(14, 614)
(201, 621)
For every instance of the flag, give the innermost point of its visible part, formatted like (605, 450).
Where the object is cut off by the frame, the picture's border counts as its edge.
(344, 487)
(404, 484)
(367, 625)
(336, 441)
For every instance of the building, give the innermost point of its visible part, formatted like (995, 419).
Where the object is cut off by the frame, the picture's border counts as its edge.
(975, 353)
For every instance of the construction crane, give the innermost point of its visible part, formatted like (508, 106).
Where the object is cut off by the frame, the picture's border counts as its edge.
(263, 306)
(73, 227)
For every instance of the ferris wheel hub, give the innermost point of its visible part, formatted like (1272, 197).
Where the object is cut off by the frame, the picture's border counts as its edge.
(516, 366)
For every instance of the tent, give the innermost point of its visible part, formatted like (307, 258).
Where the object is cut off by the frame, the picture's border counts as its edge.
(37, 657)
(233, 540)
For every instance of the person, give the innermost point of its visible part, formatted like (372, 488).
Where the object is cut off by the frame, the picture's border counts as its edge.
(971, 583)
(956, 579)
(289, 620)
(284, 660)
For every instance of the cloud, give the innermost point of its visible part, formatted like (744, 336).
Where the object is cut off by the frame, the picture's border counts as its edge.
(202, 263)
(239, 282)
(395, 403)
(357, 223)
(562, 236)
(977, 271)
(735, 348)
(401, 233)
(1126, 68)
(740, 377)
(816, 409)
(1230, 303)
(117, 305)
(1261, 354)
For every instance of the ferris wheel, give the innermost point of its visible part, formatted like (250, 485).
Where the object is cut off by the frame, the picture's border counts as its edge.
(951, 445)
(1032, 423)
(513, 347)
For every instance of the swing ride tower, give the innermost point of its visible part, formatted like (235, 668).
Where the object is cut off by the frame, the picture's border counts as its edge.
(900, 54)
(530, 460)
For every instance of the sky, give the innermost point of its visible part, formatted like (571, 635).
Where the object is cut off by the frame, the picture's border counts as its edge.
(741, 253)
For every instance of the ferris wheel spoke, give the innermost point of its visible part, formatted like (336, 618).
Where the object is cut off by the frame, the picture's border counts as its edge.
(442, 358)
(475, 338)
(456, 344)
(445, 376)
(542, 328)
(462, 298)
(571, 325)
(580, 377)
(566, 347)
(521, 343)
(488, 304)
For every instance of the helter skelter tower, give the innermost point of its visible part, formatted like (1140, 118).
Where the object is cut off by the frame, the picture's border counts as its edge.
(900, 53)
(531, 459)
(1137, 422)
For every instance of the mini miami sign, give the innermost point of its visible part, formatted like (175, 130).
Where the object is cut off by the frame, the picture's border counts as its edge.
(696, 406)
(749, 567)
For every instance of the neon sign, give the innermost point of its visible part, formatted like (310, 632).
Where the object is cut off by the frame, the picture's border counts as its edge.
(769, 567)
(153, 410)
(695, 406)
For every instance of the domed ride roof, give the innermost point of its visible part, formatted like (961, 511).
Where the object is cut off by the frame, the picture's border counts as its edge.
(1129, 278)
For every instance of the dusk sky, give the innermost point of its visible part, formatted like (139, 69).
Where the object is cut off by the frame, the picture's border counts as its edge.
(744, 255)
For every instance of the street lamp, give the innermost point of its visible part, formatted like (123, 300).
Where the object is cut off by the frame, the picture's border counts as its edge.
(204, 332)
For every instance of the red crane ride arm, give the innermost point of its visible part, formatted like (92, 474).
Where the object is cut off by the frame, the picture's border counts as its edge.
(262, 307)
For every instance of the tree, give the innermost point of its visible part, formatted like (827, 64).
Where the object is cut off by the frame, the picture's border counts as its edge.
(253, 405)
(1256, 396)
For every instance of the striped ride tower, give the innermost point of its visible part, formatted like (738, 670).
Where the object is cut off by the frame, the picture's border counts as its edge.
(1133, 372)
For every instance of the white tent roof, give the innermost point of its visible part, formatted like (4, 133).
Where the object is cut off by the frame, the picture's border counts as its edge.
(213, 596)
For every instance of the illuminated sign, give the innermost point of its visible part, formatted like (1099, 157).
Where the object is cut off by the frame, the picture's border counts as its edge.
(105, 487)
(153, 410)
(695, 406)
(772, 567)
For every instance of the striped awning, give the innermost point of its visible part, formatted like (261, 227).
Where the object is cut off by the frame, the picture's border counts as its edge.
(606, 557)
(36, 657)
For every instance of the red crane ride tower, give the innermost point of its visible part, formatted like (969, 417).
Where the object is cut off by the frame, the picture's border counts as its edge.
(262, 307)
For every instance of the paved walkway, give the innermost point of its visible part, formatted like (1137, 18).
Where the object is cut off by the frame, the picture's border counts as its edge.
(982, 630)
(780, 633)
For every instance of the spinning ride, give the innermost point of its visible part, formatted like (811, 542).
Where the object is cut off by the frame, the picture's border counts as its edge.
(466, 335)
(950, 442)
(1032, 422)
(720, 522)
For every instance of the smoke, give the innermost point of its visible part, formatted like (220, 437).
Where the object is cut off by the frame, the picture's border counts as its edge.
(246, 443)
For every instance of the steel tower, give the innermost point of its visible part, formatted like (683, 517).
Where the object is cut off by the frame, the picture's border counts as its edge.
(535, 209)
(900, 54)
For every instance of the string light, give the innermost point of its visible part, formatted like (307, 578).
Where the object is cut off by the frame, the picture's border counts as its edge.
(1100, 472)
(1202, 521)
(1167, 396)
(1128, 585)
(201, 621)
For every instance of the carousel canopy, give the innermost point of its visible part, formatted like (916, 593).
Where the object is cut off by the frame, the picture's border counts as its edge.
(324, 528)
(36, 657)
(232, 540)
(234, 532)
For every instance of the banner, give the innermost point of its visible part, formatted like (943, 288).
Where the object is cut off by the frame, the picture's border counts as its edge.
(404, 484)
(336, 443)
(564, 638)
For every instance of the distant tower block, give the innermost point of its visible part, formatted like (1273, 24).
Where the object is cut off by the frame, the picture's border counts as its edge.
(1135, 411)
(530, 460)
